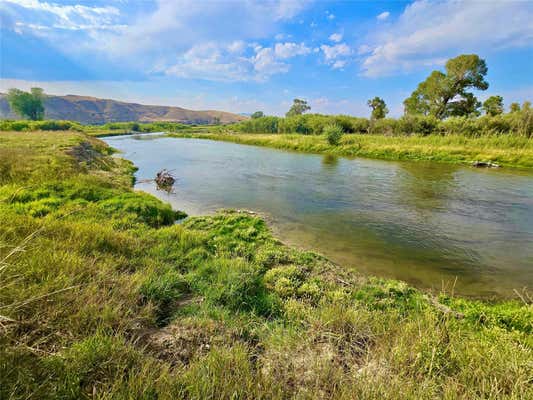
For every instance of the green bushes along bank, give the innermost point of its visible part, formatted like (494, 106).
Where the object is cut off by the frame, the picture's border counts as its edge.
(519, 123)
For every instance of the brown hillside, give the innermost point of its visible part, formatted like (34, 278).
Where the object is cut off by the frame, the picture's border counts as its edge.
(92, 110)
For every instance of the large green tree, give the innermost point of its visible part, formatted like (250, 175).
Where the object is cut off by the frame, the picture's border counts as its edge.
(298, 108)
(27, 104)
(446, 94)
(379, 108)
(493, 105)
(258, 114)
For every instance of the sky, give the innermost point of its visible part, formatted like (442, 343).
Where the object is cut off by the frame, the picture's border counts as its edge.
(244, 56)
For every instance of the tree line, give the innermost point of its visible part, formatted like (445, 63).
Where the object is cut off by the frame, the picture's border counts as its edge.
(443, 103)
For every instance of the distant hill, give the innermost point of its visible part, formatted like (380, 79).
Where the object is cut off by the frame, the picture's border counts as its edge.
(92, 110)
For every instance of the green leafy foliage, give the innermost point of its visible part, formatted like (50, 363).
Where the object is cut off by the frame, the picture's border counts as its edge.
(445, 94)
(298, 107)
(27, 104)
(333, 134)
(494, 106)
(379, 108)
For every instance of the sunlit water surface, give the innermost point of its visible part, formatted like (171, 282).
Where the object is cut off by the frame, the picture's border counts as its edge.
(432, 225)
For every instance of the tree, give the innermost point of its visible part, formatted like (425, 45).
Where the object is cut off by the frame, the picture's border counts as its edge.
(467, 106)
(258, 114)
(493, 105)
(514, 107)
(379, 108)
(445, 94)
(27, 104)
(298, 108)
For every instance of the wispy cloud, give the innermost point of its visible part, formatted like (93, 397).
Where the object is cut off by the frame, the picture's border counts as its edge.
(42, 15)
(383, 16)
(335, 37)
(336, 55)
(429, 32)
(154, 36)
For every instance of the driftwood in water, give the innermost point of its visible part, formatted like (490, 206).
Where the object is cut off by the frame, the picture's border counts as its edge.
(164, 180)
(485, 164)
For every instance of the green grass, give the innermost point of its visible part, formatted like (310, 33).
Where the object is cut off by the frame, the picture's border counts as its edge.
(506, 150)
(103, 296)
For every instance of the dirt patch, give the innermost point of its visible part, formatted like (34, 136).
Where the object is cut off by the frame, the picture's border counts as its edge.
(315, 364)
(84, 153)
(186, 339)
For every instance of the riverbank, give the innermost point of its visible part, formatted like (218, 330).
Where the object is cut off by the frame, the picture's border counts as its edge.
(104, 296)
(508, 151)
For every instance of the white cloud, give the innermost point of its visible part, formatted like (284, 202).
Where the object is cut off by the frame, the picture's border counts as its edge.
(330, 16)
(237, 61)
(211, 62)
(43, 15)
(339, 64)
(335, 37)
(237, 46)
(182, 30)
(287, 9)
(266, 64)
(335, 51)
(288, 50)
(383, 16)
(364, 49)
(427, 33)
(336, 55)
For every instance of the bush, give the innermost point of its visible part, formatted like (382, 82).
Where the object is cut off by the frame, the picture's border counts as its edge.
(384, 126)
(55, 125)
(333, 133)
(17, 126)
(417, 125)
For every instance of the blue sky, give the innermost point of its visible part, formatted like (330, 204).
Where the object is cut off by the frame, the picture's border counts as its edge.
(243, 56)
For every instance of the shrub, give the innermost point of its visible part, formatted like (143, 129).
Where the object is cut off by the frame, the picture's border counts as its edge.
(417, 125)
(384, 126)
(333, 134)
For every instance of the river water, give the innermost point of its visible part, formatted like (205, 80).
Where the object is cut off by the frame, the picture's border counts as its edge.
(433, 225)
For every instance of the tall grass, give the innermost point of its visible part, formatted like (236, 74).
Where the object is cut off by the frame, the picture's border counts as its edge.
(120, 302)
(506, 150)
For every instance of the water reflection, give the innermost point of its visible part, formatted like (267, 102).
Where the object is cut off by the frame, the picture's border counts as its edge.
(423, 223)
(425, 186)
(330, 162)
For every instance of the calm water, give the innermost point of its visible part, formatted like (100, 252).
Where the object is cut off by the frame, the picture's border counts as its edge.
(428, 224)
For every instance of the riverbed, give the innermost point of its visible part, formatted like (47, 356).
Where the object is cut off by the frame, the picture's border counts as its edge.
(436, 226)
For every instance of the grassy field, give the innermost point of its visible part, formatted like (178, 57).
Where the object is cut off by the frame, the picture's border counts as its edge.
(103, 296)
(510, 151)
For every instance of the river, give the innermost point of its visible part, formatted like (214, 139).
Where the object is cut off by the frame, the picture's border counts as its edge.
(433, 225)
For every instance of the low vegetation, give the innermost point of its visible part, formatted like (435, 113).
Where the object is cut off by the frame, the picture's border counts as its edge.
(509, 151)
(519, 123)
(111, 128)
(104, 296)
